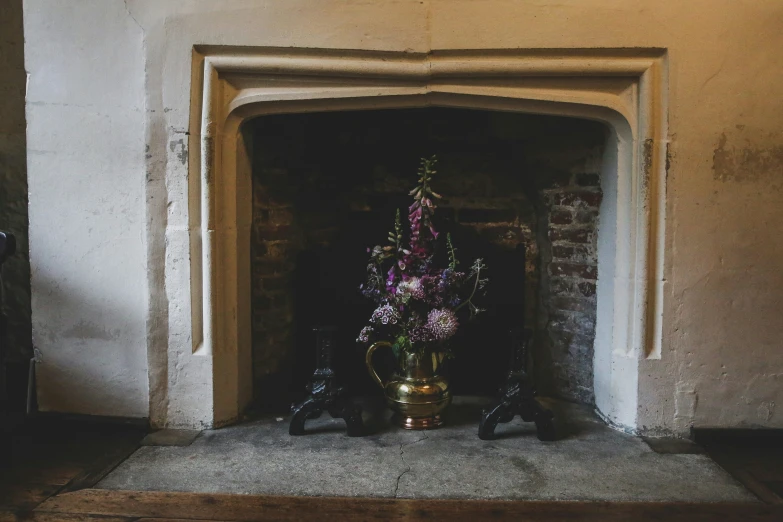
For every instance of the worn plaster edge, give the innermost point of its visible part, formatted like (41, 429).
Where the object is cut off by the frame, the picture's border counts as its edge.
(618, 426)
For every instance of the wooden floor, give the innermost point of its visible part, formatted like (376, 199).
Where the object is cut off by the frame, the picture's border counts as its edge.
(91, 504)
(758, 466)
(53, 468)
(49, 456)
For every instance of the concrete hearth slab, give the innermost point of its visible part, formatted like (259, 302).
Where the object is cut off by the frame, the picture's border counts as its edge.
(589, 462)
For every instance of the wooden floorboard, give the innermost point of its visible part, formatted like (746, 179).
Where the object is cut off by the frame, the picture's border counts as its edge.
(9, 516)
(24, 495)
(757, 468)
(235, 508)
(52, 456)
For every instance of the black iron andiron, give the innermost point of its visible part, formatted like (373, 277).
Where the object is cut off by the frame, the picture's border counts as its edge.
(518, 397)
(325, 395)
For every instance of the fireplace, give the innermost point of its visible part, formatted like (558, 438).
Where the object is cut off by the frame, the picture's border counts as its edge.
(522, 191)
(207, 376)
(154, 252)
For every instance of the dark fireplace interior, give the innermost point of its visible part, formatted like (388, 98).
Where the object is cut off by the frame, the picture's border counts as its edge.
(521, 191)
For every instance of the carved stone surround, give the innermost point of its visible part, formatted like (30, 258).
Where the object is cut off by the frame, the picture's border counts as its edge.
(625, 89)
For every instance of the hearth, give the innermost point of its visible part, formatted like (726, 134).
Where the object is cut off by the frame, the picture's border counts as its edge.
(522, 191)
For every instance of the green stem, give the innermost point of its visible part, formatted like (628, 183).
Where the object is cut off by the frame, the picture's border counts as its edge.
(473, 293)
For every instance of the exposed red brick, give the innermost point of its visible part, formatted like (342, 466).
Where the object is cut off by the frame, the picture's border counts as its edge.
(563, 252)
(574, 322)
(571, 235)
(271, 284)
(266, 301)
(561, 217)
(264, 267)
(255, 291)
(582, 198)
(587, 289)
(587, 216)
(573, 270)
(574, 304)
(274, 233)
(568, 287)
(571, 341)
(280, 216)
(264, 199)
(561, 286)
(273, 321)
(573, 253)
(277, 249)
(259, 249)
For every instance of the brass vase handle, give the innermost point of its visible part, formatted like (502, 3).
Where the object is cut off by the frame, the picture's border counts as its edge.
(368, 360)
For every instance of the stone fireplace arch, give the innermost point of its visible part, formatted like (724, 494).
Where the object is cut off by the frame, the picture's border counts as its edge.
(625, 89)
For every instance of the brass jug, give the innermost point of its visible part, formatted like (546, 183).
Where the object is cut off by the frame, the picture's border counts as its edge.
(419, 395)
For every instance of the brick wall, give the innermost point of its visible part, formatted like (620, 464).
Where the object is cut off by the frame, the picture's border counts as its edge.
(330, 183)
(568, 303)
(274, 244)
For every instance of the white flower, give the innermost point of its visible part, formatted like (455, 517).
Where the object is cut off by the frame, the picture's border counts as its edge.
(385, 314)
(442, 323)
(364, 335)
(411, 287)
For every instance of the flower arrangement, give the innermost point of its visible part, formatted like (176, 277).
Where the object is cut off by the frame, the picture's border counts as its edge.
(419, 305)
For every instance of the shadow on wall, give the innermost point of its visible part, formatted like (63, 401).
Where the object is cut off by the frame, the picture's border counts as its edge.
(13, 197)
(108, 382)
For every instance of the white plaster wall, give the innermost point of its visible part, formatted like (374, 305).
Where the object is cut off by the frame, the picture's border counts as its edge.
(721, 362)
(86, 168)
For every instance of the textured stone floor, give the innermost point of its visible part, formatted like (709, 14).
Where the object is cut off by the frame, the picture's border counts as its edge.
(589, 462)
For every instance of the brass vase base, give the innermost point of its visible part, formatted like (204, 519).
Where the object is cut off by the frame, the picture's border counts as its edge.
(417, 423)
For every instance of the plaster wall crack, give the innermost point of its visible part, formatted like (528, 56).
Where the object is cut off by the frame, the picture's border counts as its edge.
(713, 75)
(407, 466)
(127, 10)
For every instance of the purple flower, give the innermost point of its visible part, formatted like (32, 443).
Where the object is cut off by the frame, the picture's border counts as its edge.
(433, 294)
(364, 335)
(442, 323)
(385, 314)
(421, 334)
(405, 282)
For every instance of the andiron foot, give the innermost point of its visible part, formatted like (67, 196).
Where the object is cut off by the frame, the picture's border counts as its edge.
(325, 395)
(517, 397)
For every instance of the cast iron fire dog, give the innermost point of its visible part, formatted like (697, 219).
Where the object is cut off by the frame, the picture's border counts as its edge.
(517, 396)
(324, 393)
